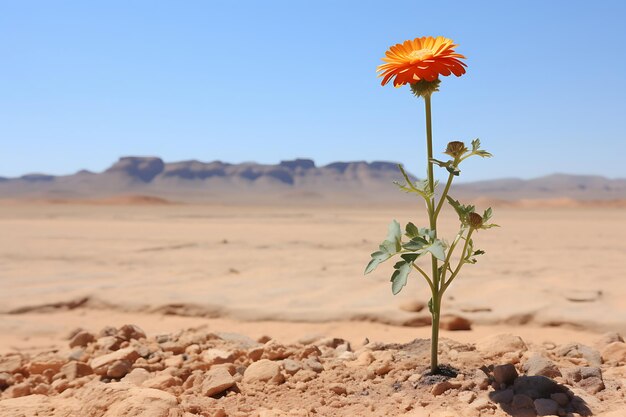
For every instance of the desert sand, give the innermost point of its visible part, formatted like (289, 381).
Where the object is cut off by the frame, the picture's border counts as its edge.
(293, 275)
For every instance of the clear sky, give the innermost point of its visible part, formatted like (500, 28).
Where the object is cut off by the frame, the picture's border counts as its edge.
(85, 82)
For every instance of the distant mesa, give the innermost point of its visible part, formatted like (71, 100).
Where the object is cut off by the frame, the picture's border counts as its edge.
(298, 180)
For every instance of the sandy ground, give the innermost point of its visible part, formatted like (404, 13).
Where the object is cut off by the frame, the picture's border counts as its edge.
(552, 276)
(543, 267)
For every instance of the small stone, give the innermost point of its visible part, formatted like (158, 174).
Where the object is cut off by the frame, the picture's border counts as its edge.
(441, 387)
(18, 390)
(137, 376)
(500, 344)
(44, 362)
(592, 385)
(505, 374)
(5, 380)
(576, 350)
(273, 351)
(466, 397)
(255, 353)
(503, 396)
(109, 342)
(217, 356)
(521, 402)
(129, 332)
(608, 338)
(339, 389)
(263, 370)
(614, 353)
(291, 367)
(217, 381)
(331, 342)
(536, 386)
(347, 356)
(162, 382)
(412, 306)
(82, 339)
(365, 358)
(107, 331)
(119, 368)
(175, 347)
(314, 365)
(454, 323)
(561, 398)
(77, 355)
(73, 370)
(41, 389)
(59, 385)
(540, 365)
(175, 361)
(546, 407)
(101, 363)
(10, 363)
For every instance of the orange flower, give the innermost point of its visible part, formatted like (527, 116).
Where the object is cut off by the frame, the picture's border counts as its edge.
(421, 59)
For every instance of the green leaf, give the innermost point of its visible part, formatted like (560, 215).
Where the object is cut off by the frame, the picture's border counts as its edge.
(415, 244)
(430, 306)
(399, 276)
(462, 210)
(378, 257)
(421, 188)
(411, 231)
(475, 145)
(394, 235)
(410, 257)
(437, 248)
(477, 151)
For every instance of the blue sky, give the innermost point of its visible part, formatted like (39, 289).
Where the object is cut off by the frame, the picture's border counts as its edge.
(82, 83)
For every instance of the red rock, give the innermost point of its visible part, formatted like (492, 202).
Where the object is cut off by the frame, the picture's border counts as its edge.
(119, 368)
(82, 339)
(263, 371)
(73, 370)
(10, 363)
(40, 364)
(101, 363)
(217, 381)
(18, 390)
(130, 331)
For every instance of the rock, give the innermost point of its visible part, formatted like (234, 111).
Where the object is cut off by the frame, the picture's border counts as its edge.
(263, 371)
(101, 364)
(218, 356)
(109, 342)
(466, 397)
(42, 363)
(290, 366)
(162, 382)
(73, 370)
(502, 396)
(522, 402)
(347, 356)
(137, 376)
(171, 346)
(10, 363)
(82, 339)
(576, 350)
(454, 323)
(314, 365)
(59, 385)
(217, 381)
(120, 399)
(540, 365)
(536, 386)
(365, 358)
(175, 361)
(546, 407)
(273, 351)
(339, 389)
(41, 389)
(255, 353)
(78, 355)
(107, 331)
(500, 344)
(5, 380)
(608, 338)
(129, 332)
(441, 387)
(119, 368)
(504, 374)
(614, 353)
(561, 398)
(18, 390)
(331, 342)
(592, 385)
(412, 306)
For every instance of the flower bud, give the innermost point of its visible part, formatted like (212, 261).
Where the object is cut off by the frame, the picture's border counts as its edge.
(423, 88)
(475, 220)
(455, 149)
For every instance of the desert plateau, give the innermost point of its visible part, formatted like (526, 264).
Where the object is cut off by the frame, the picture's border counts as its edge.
(234, 310)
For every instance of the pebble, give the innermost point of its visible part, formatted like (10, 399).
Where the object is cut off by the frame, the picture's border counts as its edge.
(314, 365)
(101, 364)
(546, 407)
(290, 366)
(500, 344)
(44, 362)
(82, 339)
(263, 370)
(441, 387)
(454, 323)
(502, 396)
(119, 368)
(130, 331)
(504, 374)
(216, 381)
(577, 350)
(18, 390)
(614, 353)
(73, 370)
(339, 389)
(10, 363)
(540, 365)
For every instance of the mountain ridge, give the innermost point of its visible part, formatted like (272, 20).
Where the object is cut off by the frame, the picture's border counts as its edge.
(300, 178)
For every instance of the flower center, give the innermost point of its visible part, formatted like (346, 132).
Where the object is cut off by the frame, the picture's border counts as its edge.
(420, 55)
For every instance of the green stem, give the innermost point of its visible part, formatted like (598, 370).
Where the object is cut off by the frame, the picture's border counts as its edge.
(433, 226)
(461, 261)
(443, 196)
